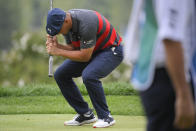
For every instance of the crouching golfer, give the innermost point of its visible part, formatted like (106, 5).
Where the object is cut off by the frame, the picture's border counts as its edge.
(93, 51)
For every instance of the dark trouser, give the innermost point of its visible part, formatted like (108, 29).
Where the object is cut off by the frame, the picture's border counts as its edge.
(159, 102)
(100, 66)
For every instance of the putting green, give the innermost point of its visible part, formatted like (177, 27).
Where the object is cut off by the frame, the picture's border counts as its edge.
(54, 122)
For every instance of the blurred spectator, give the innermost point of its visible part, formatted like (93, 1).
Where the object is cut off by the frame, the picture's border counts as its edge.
(160, 44)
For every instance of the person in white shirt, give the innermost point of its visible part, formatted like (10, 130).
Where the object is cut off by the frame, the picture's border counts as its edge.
(160, 44)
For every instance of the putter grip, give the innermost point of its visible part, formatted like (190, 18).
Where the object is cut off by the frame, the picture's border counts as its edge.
(50, 73)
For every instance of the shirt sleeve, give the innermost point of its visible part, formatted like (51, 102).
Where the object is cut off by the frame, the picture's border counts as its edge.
(68, 38)
(88, 35)
(173, 17)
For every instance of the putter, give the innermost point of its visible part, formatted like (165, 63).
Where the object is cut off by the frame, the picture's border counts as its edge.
(50, 72)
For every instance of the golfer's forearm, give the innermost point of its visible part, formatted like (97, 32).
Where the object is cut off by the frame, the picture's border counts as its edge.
(74, 55)
(66, 47)
(175, 66)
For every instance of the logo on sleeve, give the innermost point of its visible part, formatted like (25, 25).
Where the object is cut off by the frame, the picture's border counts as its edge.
(88, 42)
(173, 16)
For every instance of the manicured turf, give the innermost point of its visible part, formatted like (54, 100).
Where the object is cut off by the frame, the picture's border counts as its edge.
(35, 89)
(43, 108)
(54, 122)
(119, 105)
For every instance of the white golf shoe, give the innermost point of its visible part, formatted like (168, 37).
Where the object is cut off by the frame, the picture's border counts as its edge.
(106, 122)
(79, 120)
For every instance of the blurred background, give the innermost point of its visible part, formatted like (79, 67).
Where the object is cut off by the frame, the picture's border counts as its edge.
(23, 58)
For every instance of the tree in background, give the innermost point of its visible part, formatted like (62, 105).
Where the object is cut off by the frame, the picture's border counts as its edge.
(9, 21)
(22, 23)
(39, 11)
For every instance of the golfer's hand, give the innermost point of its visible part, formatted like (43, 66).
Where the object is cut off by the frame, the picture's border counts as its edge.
(53, 40)
(184, 111)
(49, 39)
(52, 45)
(52, 49)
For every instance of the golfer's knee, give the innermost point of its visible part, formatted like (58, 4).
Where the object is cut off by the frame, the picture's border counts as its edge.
(87, 77)
(59, 75)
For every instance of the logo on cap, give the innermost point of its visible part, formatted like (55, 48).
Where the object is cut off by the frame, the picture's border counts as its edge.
(49, 30)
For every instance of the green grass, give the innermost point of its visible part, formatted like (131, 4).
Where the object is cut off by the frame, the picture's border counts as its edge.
(54, 122)
(119, 105)
(115, 88)
(41, 107)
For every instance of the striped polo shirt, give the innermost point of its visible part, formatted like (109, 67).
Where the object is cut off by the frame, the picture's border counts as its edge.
(90, 28)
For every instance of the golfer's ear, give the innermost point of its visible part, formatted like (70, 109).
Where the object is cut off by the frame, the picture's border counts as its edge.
(66, 20)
